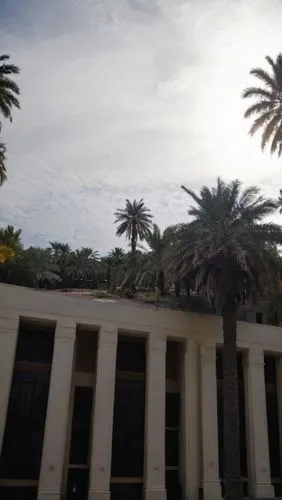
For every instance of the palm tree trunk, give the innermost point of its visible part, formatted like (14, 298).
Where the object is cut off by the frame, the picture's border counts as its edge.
(133, 260)
(232, 468)
(161, 282)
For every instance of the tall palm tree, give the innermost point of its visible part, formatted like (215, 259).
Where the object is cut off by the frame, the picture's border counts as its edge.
(135, 221)
(9, 90)
(228, 248)
(3, 175)
(267, 108)
(159, 244)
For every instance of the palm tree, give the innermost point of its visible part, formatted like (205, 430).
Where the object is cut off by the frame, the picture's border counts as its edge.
(228, 249)
(135, 221)
(61, 257)
(82, 264)
(37, 269)
(9, 90)
(3, 175)
(267, 108)
(10, 243)
(159, 244)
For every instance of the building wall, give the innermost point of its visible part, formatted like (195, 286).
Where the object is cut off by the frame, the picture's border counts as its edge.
(198, 336)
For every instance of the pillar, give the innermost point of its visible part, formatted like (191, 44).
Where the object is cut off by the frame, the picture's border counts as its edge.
(190, 428)
(52, 462)
(101, 451)
(155, 418)
(211, 483)
(8, 342)
(261, 486)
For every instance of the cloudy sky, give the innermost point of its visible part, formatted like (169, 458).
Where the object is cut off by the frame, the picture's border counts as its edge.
(129, 99)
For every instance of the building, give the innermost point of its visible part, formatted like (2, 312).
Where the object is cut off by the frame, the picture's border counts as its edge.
(113, 399)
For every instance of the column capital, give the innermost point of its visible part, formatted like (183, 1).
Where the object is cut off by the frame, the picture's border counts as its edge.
(255, 357)
(65, 330)
(108, 335)
(208, 353)
(157, 341)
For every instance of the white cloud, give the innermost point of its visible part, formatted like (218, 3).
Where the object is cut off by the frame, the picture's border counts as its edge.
(129, 99)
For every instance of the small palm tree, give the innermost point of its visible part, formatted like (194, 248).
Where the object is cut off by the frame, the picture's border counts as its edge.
(82, 264)
(37, 268)
(61, 257)
(154, 264)
(9, 90)
(267, 108)
(228, 249)
(3, 175)
(10, 243)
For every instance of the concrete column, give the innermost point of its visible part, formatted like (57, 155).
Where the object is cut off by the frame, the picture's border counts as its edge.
(52, 462)
(279, 398)
(261, 486)
(101, 451)
(190, 422)
(8, 343)
(211, 483)
(155, 418)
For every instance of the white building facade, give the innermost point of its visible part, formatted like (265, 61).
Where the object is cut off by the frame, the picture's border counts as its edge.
(105, 399)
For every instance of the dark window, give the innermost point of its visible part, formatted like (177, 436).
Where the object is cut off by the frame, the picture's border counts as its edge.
(172, 423)
(259, 318)
(81, 425)
(126, 491)
(173, 488)
(23, 439)
(272, 415)
(35, 343)
(128, 429)
(77, 487)
(25, 423)
(172, 409)
(18, 493)
(131, 355)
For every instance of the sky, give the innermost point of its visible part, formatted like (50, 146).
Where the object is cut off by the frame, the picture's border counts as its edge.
(129, 99)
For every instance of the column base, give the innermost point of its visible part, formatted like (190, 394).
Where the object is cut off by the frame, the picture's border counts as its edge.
(155, 494)
(99, 495)
(212, 490)
(263, 491)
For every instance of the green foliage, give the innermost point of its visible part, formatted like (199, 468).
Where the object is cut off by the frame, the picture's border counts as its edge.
(227, 247)
(267, 107)
(9, 90)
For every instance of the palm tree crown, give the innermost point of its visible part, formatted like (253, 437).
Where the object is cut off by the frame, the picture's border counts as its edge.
(134, 221)
(227, 241)
(267, 109)
(9, 90)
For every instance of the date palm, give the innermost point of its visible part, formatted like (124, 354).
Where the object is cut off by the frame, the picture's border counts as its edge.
(9, 90)
(135, 221)
(154, 265)
(228, 249)
(267, 107)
